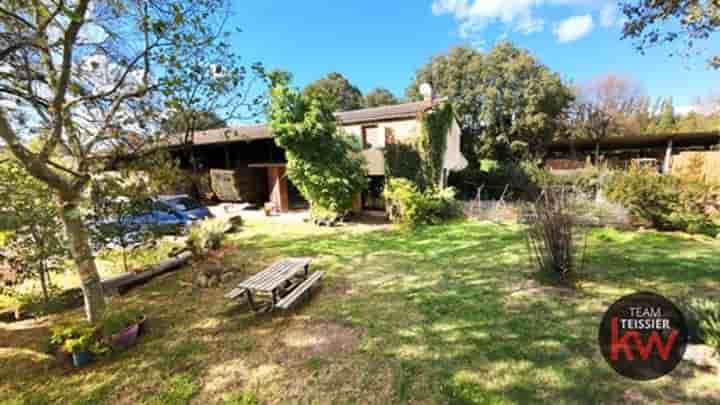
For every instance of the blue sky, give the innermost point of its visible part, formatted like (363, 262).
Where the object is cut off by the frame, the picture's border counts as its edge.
(381, 43)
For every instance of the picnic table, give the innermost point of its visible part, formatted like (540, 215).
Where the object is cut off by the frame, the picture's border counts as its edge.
(283, 281)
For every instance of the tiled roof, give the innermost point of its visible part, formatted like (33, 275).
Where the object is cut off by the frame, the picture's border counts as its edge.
(384, 113)
(262, 131)
(223, 135)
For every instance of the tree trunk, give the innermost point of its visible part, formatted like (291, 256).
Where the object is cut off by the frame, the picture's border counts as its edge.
(44, 285)
(83, 258)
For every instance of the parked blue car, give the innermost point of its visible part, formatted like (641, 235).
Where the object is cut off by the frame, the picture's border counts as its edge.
(185, 207)
(174, 212)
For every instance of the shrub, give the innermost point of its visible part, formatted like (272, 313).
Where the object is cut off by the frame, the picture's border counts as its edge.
(207, 235)
(410, 206)
(77, 338)
(322, 161)
(664, 201)
(704, 321)
(554, 237)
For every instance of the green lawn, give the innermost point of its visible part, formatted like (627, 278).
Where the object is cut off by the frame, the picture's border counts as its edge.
(445, 314)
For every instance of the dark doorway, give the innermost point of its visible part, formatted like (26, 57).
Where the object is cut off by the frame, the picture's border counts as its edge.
(372, 198)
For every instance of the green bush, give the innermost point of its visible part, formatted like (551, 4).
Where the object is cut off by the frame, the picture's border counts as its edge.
(704, 321)
(410, 206)
(522, 179)
(664, 201)
(207, 235)
(74, 338)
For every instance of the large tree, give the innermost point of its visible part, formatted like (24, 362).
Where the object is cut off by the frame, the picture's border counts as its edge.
(656, 22)
(208, 86)
(506, 99)
(622, 98)
(338, 90)
(177, 123)
(379, 97)
(323, 162)
(81, 78)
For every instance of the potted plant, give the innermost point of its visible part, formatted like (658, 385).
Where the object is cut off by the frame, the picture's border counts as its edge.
(61, 334)
(121, 329)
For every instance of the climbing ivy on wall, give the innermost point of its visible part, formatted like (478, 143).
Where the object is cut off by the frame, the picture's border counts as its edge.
(403, 161)
(432, 142)
(422, 162)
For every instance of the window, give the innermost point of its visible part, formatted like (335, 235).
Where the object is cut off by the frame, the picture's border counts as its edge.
(372, 138)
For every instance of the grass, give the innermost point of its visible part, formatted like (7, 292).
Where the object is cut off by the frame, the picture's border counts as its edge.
(444, 314)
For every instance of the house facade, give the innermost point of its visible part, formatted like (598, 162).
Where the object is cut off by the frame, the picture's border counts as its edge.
(249, 152)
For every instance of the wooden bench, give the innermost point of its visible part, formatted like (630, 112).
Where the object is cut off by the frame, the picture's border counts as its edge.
(283, 281)
(235, 293)
(299, 290)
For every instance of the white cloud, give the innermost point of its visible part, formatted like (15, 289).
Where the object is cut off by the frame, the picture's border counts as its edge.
(475, 15)
(574, 28)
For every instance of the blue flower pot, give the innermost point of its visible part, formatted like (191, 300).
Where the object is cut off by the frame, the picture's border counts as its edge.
(81, 359)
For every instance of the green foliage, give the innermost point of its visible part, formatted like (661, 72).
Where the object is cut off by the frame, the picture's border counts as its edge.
(652, 23)
(243, 398)
(322, 161)
(410, 206)
(179, 391)
(667, 116)
(35, 247)
(505, 99)
(704, 321)
(522, 179)
(379, 97)
(404, 161)
(183, 121)
(432, 142)
(664, 201)
(75, 338)
(337, 91)
(207, 235)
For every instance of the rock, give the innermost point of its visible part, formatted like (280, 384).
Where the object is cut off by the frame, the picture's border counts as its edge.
(702, 356)
(236, 223)
(226, 277)
(201, 280)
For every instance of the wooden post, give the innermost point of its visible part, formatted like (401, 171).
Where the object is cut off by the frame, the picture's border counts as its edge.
(277, 184)
(667, 164)
(227, 157)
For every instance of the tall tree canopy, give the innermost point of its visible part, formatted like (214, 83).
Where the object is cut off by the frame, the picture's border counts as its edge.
(342, 94)
(203, 120)
(621, 98)
(379, 97)
(506, 98)
(80, 76)
(656, 22)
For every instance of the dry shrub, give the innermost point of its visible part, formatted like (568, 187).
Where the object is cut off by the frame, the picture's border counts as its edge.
(555, 236)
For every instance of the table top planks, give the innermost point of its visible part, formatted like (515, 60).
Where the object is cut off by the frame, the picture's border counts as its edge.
(275, 275)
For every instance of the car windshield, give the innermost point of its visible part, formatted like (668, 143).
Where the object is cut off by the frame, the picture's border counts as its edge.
(185, 203)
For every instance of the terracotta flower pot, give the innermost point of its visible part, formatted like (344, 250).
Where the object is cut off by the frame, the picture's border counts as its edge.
(63, 358)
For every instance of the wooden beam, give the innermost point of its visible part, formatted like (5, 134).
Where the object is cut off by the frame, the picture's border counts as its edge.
(267, 165)
(667, 164)
(277, 184)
